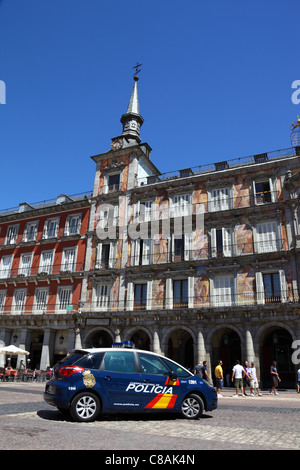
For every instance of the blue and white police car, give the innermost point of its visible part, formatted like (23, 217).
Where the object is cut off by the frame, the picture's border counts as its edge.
(109, 380)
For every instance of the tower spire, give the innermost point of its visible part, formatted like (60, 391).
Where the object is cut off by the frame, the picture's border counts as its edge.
(131, 120)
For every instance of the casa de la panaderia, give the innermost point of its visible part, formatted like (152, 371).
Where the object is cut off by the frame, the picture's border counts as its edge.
(197, 264)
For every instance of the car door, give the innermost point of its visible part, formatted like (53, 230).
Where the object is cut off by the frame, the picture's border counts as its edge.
(118, 371)
(157, 390)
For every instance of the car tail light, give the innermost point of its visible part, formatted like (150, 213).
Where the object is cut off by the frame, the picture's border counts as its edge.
(66, 371)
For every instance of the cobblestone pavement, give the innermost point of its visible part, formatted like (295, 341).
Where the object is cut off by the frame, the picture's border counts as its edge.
(267, 422)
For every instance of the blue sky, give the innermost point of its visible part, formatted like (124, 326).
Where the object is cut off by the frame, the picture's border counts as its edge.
(215, 85)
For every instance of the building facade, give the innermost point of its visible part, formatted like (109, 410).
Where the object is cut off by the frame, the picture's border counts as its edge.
(42, 256)
(199, 264)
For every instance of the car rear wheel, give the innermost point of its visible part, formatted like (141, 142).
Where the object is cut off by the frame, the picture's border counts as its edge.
(192, 407)
(85, 407)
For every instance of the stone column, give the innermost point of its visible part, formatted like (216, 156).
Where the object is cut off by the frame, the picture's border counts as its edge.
(200, 351)
(249, 349)
(47, 349)
(156, 343)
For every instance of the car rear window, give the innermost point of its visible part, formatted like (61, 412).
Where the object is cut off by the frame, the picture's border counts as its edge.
(90, 361)
(82, 359)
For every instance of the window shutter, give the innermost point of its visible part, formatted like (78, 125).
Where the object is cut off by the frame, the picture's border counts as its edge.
(112, 254)
(169, 293)
(260, 295)
(98, 257)
(149, 295)
(187, 246)
(191, 291)
(227, 241)
(146, 251)
(283, 285)
(213, 242)
(130, 296)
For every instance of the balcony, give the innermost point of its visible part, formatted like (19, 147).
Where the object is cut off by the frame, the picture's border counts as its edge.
(22, 274)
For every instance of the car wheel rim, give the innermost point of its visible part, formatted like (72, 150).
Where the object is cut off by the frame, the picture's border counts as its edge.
(190, 407)
(86, 407)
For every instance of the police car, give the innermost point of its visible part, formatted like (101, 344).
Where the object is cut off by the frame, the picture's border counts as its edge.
(90, 381)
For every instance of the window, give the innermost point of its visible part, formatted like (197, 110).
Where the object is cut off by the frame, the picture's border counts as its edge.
(182, 248)
(264, 191)
(141, 251)
(271, 287)
(51, 228)
(68, 259)
(102, 295)
(5, 266)
(46, 262)
(223, 290)
(25, 264)
(220, 199)
(19, 300)
(266, 237)
(114, 182)
(64, 297)
(105, 255)
(2, 300)
(12, 234)
(152, 365)
(30, 231)
(140, 296)
(221, 242)
(73, 224)
(41, 299)
(119, 361)
(180, 293)
(180, 205)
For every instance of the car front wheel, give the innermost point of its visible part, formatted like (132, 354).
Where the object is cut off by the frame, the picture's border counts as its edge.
(192, 407)
(85, 407)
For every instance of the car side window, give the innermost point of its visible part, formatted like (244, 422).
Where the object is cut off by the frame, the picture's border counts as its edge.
(119, 361)
(176, 369)
(152, 365)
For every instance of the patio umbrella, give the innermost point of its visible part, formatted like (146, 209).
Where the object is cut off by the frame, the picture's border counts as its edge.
(13, 350)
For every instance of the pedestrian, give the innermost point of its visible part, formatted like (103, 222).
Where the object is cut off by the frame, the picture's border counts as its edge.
(253, 381)
(237, 377)
(275, 378)
(246, 378)
(298, 381)
(219, 378)
(198, 370)
(205, 375)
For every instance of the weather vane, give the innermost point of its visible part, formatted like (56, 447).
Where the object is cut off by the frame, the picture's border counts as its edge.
(136, 67)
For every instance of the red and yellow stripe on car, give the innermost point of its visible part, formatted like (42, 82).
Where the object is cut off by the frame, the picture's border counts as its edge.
(162, 401)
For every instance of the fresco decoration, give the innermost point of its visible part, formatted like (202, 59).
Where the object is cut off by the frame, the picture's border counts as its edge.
(244, 237)
(241, 192)
(246, 286)
(201, 291)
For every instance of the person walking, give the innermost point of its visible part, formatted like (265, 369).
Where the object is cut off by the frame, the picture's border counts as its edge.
(204, 372)
(246, 378)
(237, 377)
(298, 380)
(219, 378)
(253, 381)
(275, 378)
(198, 370)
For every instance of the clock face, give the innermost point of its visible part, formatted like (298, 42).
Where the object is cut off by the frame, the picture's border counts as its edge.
(116, 144)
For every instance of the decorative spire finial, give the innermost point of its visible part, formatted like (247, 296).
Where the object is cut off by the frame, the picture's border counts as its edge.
(137, 70)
